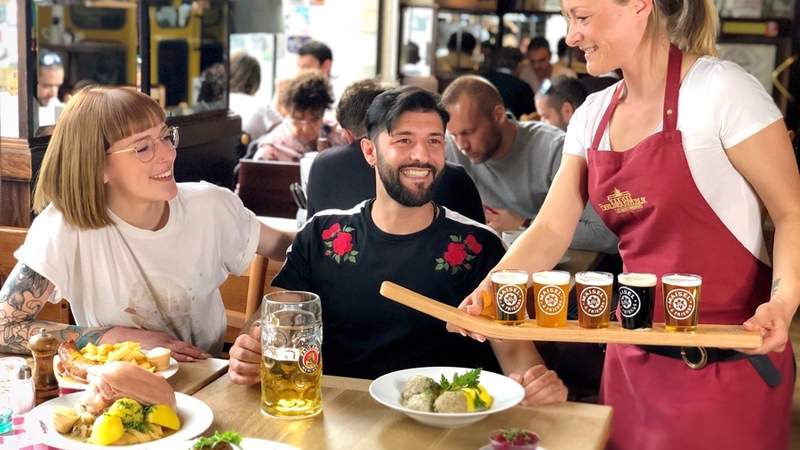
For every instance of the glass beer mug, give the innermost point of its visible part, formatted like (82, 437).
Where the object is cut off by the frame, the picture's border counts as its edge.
(291, 356)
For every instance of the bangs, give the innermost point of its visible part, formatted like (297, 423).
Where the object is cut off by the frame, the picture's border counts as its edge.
(122, 112)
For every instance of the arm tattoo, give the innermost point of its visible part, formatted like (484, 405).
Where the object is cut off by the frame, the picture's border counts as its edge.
(775, 284)
(23, 295)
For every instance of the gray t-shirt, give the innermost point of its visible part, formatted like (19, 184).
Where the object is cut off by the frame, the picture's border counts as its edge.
(520, 181)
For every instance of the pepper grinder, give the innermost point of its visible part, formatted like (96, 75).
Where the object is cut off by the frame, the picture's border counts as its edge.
(43, 346)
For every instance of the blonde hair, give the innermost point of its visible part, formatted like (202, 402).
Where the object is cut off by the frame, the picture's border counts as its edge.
(691, 24)
(71, 176)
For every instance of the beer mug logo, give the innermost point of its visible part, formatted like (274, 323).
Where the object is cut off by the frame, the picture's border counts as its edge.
(593, 301)
(680, 304)
(309, 358)
(551, 300)
(510, 298)
(629, 302)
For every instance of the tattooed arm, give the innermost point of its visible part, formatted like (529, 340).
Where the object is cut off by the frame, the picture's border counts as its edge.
(24, 294)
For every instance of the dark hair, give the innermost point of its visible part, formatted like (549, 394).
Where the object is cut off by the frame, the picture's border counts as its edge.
(507, 58)
(245, 73)
(352, 107)
(316, 49)
(537, 43)
(410, 53)
(562, 48)
(566, 89)
(212, 88)
(468, 42)
(308, 91)
(387, 107)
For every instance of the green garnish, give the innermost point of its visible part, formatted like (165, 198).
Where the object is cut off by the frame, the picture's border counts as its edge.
(479, 403)
(230, 437)
(468, 380)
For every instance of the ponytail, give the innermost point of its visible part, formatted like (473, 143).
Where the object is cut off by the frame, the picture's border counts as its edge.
(691, 24)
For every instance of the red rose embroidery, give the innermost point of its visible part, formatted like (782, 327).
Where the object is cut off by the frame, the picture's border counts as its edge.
(455, 254)
(342, 244)
(338, 243)
(473, 245)
(333, 229)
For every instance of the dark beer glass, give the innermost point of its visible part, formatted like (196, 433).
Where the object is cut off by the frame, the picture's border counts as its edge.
(636, 294)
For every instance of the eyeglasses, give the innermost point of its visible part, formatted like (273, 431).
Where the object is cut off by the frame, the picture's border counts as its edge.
(313, 121)
(49, 60)
(145, 150)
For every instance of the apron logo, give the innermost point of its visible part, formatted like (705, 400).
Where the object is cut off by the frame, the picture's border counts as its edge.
(622, 202)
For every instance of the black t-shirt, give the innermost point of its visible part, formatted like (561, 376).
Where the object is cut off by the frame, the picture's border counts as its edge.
(343, 257)
(340, 178)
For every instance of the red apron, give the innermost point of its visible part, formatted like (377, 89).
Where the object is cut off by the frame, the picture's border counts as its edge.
(647, 196)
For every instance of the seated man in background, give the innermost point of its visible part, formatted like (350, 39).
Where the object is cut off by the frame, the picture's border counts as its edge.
(401, 236)
(306, 98)
(557, 105)
(340, 177)
(512, 163)
(517, 94)
(49, 78)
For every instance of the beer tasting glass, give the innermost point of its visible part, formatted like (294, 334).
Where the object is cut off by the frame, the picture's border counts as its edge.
(637, 292)
(593, 293)
(551, 293)
(681, 301)
(291, 363)
(510, 289)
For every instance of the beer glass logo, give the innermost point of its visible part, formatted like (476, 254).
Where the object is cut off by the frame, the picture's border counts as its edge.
(551, 300)
(629, 302)
(593, 301)
(680, 304)
(510, 298)
(309, 358)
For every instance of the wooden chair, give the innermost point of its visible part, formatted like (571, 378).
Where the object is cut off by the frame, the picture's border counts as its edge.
(264, 187)
(242, 295)
(10, 240)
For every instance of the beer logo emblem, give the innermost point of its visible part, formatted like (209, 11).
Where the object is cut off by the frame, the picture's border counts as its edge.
(551, 300)
(629, 302)
(680, 304)
(593, 301)
(623, 201)
(510, 298)
(309, 358)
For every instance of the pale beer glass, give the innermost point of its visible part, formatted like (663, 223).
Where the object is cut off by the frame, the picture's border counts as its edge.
(550, 294)
(291, 363)
(681, 301)
(510, 288)
(593, 293)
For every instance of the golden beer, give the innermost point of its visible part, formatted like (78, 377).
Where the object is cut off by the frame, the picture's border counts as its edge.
(291, 358)
(593, 294)
(510, 288)
(681, 301)
(551, 293)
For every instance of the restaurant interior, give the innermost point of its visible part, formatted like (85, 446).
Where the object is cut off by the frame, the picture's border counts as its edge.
(182, 53)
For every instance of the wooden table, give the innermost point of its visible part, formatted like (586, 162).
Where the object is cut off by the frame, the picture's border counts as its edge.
(352, 420)
(193, 376)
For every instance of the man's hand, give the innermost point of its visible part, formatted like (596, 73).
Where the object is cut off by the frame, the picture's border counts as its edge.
(502, 219)
(245, 358)
(542, 386)
(181, 351)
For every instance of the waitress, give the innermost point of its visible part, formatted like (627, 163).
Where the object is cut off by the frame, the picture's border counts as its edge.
(696, 146)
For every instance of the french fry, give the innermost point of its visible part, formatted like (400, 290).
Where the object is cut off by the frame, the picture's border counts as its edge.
(127, 351)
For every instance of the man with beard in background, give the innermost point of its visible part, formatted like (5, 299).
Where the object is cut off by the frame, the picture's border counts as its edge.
(401, 236)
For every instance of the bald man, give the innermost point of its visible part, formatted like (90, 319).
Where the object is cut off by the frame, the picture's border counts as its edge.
(512, 163)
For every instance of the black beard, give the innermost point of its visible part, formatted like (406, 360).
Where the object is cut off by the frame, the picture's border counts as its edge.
(401, 194)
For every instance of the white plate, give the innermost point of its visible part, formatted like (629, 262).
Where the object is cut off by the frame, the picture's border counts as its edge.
(195, 417)
(247, 444)
(71, 383)
(387, 390)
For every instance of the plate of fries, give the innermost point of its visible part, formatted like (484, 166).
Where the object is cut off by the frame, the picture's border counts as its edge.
(127, 351)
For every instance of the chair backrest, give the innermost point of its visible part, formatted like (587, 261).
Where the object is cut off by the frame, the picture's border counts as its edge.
(242, 295)
(264, 187)
(10, 240)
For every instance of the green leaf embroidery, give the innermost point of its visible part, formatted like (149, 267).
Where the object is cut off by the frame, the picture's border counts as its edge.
(455, 238)
(347, 229)
(328, 244)
(440, 260)
(337, 259)
(439, 266)
(470, 257)
(354, 252)
(351, 259)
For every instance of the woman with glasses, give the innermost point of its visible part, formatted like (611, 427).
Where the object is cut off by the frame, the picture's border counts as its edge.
(306, 98)
(138, 256)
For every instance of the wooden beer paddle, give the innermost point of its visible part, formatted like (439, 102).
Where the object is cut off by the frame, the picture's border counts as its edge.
(706, 335)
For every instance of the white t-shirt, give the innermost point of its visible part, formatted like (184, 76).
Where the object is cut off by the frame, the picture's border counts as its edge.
(258, 117)
(720, 106)
(165, 280)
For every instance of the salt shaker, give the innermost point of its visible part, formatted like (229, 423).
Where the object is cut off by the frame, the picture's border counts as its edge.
(24, 391)
(43, 346)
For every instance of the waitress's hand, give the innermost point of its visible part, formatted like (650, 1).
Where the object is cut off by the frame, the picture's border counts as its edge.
(542, 386)
(473, 305)
(181, 351)
(770, 320)
(245, 358)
